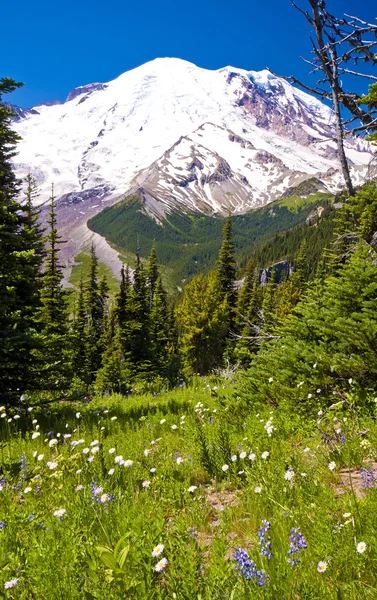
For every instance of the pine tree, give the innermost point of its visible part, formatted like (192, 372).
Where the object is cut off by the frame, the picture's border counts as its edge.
(226, 266)
(162, 335)
(247, 315)
(18, 261)
(80, 362)
(139, 320)
(53, 314)
(152, 274)
(203, 321)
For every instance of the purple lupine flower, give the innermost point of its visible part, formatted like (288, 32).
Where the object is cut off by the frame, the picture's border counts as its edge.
(265, 541)
(297, 543)
(368, 478)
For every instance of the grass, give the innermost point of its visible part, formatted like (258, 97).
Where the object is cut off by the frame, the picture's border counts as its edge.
(171, 487)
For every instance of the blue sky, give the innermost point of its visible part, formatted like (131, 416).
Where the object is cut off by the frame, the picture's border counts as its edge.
(54, 47)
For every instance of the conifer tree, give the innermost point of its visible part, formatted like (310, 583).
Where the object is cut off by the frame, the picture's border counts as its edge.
(53, 314)
(139, 319)
(17, 261)
(226, 266)
(247, 315)
(152, 274)
(162, 334)
(80, 361)
(203, 318)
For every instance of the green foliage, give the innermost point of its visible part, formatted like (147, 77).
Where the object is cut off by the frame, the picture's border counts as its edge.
(203, 320)
(53, 358)
(189, 244)
(21, 255)
(329, 338)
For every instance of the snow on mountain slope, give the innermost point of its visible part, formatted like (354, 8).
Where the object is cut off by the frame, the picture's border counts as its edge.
(253, 134)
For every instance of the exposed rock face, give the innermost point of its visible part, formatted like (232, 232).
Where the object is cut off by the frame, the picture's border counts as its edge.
(280, 269)
(85, 89)
(21, 113)
(314, 215)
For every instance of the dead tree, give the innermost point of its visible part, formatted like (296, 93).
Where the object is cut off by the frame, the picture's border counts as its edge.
(336, 42)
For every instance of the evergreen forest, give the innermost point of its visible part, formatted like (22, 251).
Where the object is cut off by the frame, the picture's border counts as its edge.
(215, 442)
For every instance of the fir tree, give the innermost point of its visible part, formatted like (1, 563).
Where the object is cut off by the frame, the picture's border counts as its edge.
(19, 259)
(203, 320)
(152, 274)
(53, 314)
(226, 266)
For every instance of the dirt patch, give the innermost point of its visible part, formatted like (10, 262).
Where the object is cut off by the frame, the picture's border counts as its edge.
(351, 480)
(221, 500)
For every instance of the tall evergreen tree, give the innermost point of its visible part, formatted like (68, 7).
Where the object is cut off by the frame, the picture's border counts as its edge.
(152, 274)
(226, 266)
(203, 320)
(53, 314)
(18, 265)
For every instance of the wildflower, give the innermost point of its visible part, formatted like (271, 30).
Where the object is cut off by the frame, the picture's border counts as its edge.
(35, 454)
(289, 474)
(361, 547)
(347, 515)
(147, 451)
(252, 456)
(332, 466)
(179, 460)
(270, 380)
(306, 450)
(322, 566)
(66, 436)
(78, 415)
(79, 487)
(265, 541)
(112, 450)
(297, 543)
(158, 550)
(234, 458)
(106, 498)
(368, 478)
(11, 583)
(111, 472)
(118, 459)
(51, 465)
(265, 455)
(114, 418)
(35, 435)
(247, 568)
(16, 417)
(94, 443)
(257, 489)
(146, 483)
(152, 470)
(90, 459)
(53, 442)
(128, 463)
(350, 381)
(161, 565)
(225, 468)
(192, 488)
(240, 472)
(174, 427)
(162, 421)
(85, 451)
(27, 490)
(95, 450)
(60, 513)
(3, 415)
(2, 525)
(78, 471)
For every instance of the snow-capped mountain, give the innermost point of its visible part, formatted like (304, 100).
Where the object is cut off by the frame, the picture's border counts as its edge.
(184, 138)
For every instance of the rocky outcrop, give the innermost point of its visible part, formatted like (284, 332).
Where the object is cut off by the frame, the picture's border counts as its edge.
(85, 89)
(281, 269)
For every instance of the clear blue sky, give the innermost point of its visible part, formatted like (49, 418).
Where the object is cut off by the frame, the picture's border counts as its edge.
(54, 47)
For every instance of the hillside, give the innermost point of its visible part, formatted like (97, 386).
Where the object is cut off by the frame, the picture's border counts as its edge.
(189, 243)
